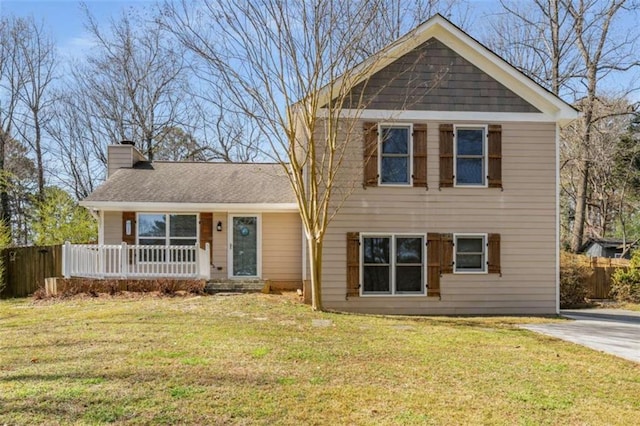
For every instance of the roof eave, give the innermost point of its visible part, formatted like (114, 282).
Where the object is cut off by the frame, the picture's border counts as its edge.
(187, 207)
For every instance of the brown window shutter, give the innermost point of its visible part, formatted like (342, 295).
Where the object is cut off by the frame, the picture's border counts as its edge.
(420, 155)
(129, 239)
(446, 260)
(370, 151)
(353, 264)
(494, 177)
(493, 254)
(433, 264)
(206, 232)
(446, 155)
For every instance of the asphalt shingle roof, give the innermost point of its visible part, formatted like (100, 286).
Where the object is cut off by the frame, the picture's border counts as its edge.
(176, 182)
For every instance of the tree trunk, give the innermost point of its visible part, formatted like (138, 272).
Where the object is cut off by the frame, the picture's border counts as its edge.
(5, 212)
(315, 266)
(38, 149)
(577, 233)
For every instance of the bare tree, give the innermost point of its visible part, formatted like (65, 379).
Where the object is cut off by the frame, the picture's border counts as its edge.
(290, 67)
(224, 134)
(134, 83)
(537, 37)
(10, 85)
(571, 46)
(606, 182)
(36, 61)
(21, 177)
(77, 157)
(602, 52)
(27, 61)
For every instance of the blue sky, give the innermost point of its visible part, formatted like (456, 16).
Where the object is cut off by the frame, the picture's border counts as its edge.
(65, 19)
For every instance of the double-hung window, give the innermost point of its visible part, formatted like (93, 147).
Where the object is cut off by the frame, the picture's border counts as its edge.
(470, 155)
(395, 154)
(393, 264)
(166, 229)
(470, 253)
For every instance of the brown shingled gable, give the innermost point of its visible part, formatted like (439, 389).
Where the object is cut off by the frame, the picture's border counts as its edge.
(434, 77)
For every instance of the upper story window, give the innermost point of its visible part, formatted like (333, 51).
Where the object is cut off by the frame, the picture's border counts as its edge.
(470, 156)
(395, 155)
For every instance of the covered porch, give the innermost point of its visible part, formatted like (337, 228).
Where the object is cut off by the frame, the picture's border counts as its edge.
(136, 261)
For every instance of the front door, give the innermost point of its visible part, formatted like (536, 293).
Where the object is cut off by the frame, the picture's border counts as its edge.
(244, 246)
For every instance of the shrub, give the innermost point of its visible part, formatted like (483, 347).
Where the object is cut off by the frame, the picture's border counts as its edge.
(195, 286)
(93, 287)
(625, 282)
(168, 286)
(573, 281)
(40, 294)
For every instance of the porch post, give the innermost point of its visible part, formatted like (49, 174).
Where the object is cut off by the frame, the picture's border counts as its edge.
(66, 256)
(124, 260)
(204, 265)
(100, 262)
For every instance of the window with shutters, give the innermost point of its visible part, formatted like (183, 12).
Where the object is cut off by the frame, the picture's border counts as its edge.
(470, 253)
(395, 154)
(470, 151)
(393, 264)
(162, 229)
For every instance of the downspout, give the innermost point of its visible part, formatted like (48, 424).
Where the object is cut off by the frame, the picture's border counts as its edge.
(557, 215)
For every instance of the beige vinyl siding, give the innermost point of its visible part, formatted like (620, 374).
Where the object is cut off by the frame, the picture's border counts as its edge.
(122, 156)
(112, 227)
(118, 157)
(219, 247)
(523, 214)
(281, 247)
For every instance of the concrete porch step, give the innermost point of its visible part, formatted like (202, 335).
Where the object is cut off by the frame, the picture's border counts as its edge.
(234, 286)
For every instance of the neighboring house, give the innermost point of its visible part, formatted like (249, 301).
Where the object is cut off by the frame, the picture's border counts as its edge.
(456, 211)
(608, 247)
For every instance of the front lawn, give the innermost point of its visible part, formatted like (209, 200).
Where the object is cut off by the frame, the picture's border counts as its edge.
(631, 306)
(266, 359)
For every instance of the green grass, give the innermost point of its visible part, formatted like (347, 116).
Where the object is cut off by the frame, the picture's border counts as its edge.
(632, 306)
(262, 359)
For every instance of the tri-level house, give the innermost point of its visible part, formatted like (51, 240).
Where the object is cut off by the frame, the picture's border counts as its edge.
(456, 210)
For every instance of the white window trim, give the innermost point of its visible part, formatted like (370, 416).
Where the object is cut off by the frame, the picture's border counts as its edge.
(392, 265)
(167, 237)
(409, 148)
(485, 240)
(230, 217)
(485, 159)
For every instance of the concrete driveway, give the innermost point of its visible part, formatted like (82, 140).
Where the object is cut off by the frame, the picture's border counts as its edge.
(613, 331)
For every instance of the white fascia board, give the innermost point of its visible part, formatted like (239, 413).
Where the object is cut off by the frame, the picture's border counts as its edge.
(414, 115)
(189, 207)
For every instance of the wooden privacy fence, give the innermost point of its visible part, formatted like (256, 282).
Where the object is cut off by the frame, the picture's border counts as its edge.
(602, 268)
(25, 268)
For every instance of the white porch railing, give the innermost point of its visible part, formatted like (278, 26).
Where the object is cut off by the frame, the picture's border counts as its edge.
(135, 261)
